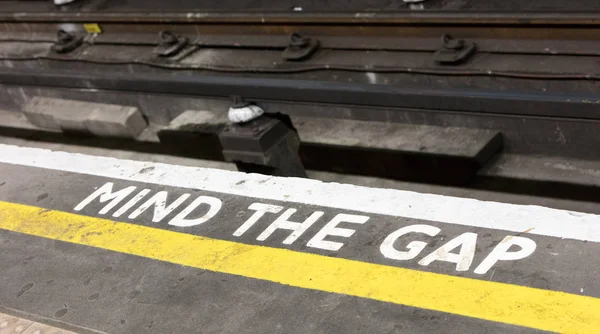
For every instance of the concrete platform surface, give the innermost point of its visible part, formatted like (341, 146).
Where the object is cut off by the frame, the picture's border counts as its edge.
(124, 246)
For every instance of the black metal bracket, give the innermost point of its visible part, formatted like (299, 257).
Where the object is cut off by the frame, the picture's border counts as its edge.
(265, 145)
(169, 44)
(300, 47)
(66, 42)
(454, 51)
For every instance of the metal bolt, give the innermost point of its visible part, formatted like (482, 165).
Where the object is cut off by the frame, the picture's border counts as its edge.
(451, 43)
(64, 37)
(298, 40)
(167, 37)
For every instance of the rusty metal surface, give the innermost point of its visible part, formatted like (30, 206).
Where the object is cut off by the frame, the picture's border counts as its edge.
(309, 11)
(315, 18)
(423, 29)
(378, 66)
(272, 15)
(297, 5)
(524, 39)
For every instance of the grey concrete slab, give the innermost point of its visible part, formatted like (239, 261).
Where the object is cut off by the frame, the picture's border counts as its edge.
(100, 119)
(115, 121)
(405, 138)
(544, 168)
(56, 114)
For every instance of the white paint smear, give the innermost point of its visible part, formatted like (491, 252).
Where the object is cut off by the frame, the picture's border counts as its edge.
(453, 210)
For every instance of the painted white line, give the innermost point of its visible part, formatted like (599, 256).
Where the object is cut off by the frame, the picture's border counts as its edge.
(454, 210)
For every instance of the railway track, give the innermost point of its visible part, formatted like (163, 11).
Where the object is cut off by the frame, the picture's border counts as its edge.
(531, 77)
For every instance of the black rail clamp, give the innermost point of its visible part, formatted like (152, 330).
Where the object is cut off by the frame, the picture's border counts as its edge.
(454, 51)
(266, 145)
(170, 44)
(300, 47)
(66, 42)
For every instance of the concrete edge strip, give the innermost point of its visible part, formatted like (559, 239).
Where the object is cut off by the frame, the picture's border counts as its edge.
(493, 301)
(453, 210)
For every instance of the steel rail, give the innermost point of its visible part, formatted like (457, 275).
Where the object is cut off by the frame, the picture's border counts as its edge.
(371, 18)
(319, 92)
(573, 39)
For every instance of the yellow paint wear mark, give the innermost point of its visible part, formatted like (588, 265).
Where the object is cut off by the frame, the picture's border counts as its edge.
(511, 304)
(92, 28)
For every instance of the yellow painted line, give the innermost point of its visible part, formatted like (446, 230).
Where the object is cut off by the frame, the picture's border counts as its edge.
(92, 28)
(511, 304)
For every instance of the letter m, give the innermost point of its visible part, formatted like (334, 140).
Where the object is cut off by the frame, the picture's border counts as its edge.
(105, 194)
